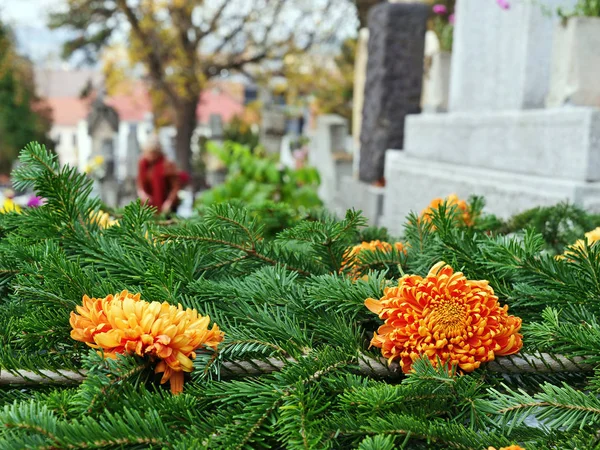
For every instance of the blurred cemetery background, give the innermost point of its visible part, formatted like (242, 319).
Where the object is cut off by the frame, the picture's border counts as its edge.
(374, 105)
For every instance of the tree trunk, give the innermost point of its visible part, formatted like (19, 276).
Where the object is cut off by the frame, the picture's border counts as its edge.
(186, 124)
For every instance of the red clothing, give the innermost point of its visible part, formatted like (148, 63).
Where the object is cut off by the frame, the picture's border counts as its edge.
(157, 181)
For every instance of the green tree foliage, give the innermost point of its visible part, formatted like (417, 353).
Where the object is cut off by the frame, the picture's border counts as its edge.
(22, 115)
(255, 178)
(559, 225)
(587, 8)
(293, 371)
(329, 82)
(237, 130)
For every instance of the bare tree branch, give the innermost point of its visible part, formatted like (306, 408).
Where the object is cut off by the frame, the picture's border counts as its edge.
(212, 27)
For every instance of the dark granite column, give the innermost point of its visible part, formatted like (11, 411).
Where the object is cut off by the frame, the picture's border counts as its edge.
(394, 81)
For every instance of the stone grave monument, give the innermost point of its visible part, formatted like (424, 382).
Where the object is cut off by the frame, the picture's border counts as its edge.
(103, 126)
(273, 121)
(128, 188)
(216, 171)
(272, 128)
(330, 154)
(394, 81)
(388, 82)
(497, 140)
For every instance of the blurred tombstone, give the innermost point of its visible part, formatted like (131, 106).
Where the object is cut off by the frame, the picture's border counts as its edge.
(394, 80)
(286, 155)
(436, 78)
(132, 156)
(216, 172)
(133, 152)
(217, 131)
(493, 73)
(575, 63)
(103, 126)
(272, 128)
(330, 155)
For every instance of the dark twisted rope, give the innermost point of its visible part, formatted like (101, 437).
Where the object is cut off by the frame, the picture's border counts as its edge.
(368, 366)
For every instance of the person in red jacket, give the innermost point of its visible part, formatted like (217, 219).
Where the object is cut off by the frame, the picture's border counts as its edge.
(158, 181)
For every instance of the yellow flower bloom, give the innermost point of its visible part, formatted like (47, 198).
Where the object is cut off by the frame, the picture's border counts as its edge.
(352, 259)
(451, 200)
(590, 237)
(124, 323)
(102, 219)
(9, 206)
(443, 316)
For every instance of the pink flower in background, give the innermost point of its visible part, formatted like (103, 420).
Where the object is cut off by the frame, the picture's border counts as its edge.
(35, 202)
(451, 19)
(503, 4)
(440, 9)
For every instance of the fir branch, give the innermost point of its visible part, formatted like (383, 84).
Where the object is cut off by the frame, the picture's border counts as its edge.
(557, 407)
(251, 252)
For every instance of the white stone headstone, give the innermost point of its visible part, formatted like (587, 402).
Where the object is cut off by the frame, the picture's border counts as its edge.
(576, 63)
(501, 57)
(329, 138)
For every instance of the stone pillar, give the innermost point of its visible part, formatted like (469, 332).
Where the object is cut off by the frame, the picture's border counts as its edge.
(103, 126)
(272, 129)
(394, 80)
(358, 98)
(328, 154)
(216, 171)
(215, 123)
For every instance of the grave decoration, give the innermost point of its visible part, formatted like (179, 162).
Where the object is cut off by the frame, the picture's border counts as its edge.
(290, 364)
(124, 323)
(354, 257)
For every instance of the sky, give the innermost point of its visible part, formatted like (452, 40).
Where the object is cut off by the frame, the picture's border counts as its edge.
(28, 18)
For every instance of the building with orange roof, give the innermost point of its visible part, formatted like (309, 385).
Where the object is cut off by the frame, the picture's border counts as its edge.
(63, 90)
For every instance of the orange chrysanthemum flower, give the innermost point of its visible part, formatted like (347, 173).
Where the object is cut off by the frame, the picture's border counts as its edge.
(444, 316)
(123, 323)
(451, 200)
(510, 447)
(352, 258)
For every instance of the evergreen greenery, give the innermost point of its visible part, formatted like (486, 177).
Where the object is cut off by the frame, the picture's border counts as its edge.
(280, 195)
(289, 372)
(22, 115)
